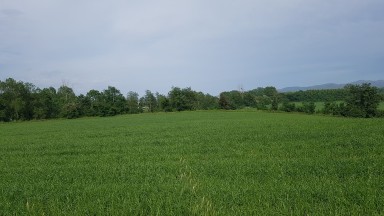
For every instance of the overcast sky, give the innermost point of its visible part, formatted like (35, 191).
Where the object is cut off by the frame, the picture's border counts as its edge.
(209, 45)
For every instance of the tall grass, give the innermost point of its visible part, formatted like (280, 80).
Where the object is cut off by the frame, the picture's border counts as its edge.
(193, 163)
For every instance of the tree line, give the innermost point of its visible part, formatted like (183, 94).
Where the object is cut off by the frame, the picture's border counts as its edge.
(24, 101)
(317, 95)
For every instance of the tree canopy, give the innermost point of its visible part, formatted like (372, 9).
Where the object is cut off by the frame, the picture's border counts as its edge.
(24, 101)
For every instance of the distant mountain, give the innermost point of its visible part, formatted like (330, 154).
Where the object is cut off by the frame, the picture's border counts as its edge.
(377, 83)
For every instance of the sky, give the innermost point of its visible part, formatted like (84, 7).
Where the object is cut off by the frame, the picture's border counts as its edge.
(210, 46)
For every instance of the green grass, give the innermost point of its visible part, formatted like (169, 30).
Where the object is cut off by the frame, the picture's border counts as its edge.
(193, 163)
(319, 105)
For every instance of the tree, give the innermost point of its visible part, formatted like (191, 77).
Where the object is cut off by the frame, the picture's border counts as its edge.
(96, 102)
(316, 95)
(224, 102)
(84, 105)
(249, 100)
(68, 102)
(3, 105)
(114, 102)
(163, 103)
(231, 100)
(275, 103)
(45, 104)
(270, 91)
(133, 103)
(190, 102)
(206, 101)
(309, 107)
(329, 108)
(182, 99)
(362, 100)
(149, 101)
(16, 99)
(288, 107)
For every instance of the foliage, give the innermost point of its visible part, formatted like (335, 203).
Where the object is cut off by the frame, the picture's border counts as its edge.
(48, 103)
(182, 99)
(236, 100)
(149, 102)
(133, 105)
(23, 101)
(206, 101)
(362, 101)
(259, 98)
(381, 92)
(15, 100)
(288, 107)
(333, 108)
(45, 103)
(307, 107)
(163, 103)
(316, 95)
(115, 102)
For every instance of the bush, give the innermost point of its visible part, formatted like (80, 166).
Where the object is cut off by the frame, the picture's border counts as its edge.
(309, 108)
(288, 107)
(380, 113)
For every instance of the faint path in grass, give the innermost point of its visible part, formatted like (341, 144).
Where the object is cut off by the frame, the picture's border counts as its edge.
(200, 202)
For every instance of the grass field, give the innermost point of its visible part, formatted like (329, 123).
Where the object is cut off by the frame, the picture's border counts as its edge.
(193, 163)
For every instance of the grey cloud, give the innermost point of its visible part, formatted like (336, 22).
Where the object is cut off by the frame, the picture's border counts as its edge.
(211, 45)
(11, 12)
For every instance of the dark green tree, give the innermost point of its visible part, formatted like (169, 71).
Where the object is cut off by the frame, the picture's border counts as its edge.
(316, 95)
(206, 101)
(249, 100)
(84, 105)
(45, 104)
(16, 100)
(329, 108)
(114, 102)
(163, 103)
(224, 102)
(309, 107)
(288, 106)
(96, 103)
(362, 100)
(68, 103)
(275, 103)
(182, 99)
(232, 100)
(270, 91)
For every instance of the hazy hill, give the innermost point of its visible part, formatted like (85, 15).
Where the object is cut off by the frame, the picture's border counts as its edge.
(377, 83)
